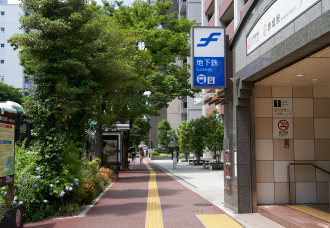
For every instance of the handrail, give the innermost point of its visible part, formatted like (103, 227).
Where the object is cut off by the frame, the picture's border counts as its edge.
(301, 163)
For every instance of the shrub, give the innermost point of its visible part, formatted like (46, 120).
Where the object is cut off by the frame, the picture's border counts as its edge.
(46, 193)
(106, 173)
(154, 154)
(89, 193)
(37, 187)
(165, 155)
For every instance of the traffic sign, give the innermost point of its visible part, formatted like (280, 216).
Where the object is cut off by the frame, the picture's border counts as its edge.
(208, 57)
(283, 125)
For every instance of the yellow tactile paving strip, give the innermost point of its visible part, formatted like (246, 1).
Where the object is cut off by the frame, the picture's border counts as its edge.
(218, 221)
(311, 211)
(154, 211)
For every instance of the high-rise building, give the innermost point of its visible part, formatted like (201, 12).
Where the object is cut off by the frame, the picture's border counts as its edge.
(11, 72)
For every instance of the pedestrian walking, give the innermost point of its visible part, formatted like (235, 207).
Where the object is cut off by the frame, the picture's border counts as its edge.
(133, 155)
(141, 155)
(175, 158)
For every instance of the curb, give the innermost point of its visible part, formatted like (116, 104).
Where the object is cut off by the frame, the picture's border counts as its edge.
(88, 207)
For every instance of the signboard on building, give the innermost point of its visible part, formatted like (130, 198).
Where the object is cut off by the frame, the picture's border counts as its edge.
(282, 128)
(282, 107)
(7, 145)
(279, 14)
(208, 57)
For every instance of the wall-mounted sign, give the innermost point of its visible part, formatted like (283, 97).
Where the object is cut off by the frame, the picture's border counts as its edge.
(282, 107)
(7, 145)
(279, 14)
(208, 57)
(282, 128)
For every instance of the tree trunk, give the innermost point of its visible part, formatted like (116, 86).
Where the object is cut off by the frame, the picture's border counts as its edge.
(125, 149)
(126, 145)
(99, 139)
(186, 153)
(99, 142)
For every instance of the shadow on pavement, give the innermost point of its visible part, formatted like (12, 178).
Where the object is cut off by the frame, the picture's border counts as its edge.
(136, 193)
(125, 209)
(35, 225)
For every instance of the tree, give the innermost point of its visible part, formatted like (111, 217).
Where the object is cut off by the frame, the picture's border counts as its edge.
(174, 136)
(164, 133)
(215, 133)
(157, 51)
(198, 134)
(184, 135)
(140, 131)
(68, 46)
(10, 93)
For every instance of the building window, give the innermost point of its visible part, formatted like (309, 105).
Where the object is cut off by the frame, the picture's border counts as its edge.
(2, 45)
(185, 104)
(2, 29)
(2, 13)
(2, 61)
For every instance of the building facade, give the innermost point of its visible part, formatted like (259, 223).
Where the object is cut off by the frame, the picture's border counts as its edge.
(11, 72)
(277, 125)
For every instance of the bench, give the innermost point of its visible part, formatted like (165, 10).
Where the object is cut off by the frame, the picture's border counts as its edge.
(205, 161)
(214, 164)
(192, 161)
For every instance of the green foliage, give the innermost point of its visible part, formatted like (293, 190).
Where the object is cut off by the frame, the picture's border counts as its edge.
(74, 55)
(184, 135)
(10, 93)
(156, 53)
(37, 185)
(154, 154)
(215, 133)
(164, 155)
(165, 134)
(44, 192)
(140, 131)
(198, 134)
(204, 132)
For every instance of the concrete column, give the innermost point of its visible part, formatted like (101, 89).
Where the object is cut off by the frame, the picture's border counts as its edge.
(238, 196)
(216, 12)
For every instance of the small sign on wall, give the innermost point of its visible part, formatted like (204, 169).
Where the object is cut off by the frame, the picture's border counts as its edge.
(282, 128)
(282, 107)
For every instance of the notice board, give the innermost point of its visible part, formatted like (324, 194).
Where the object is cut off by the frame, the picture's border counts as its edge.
(7, 145)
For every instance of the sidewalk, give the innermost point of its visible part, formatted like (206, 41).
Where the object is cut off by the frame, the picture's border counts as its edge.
(145, 196)
(210, 185)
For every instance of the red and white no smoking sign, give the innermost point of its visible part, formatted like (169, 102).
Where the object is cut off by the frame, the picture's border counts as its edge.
(283, 125)
(282, 128)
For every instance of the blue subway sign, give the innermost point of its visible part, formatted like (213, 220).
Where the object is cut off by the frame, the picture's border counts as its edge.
(208, 57)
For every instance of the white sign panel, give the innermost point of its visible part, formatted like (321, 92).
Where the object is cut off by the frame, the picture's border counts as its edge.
(283, 128)
(282, 107)
(208, 57)
(277, 16)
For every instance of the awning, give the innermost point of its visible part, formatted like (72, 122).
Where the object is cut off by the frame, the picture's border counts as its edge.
(218, 98)
(11, 108)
